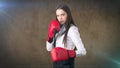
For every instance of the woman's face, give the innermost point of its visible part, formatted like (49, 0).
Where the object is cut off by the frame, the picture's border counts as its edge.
(61, 16)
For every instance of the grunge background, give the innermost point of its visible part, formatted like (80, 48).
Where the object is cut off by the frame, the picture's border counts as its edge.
(23, 29)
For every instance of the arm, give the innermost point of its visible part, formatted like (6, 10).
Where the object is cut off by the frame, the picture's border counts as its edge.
(53, 28)
(75, 36)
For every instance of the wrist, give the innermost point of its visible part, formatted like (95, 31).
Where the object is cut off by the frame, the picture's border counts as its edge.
(50, 40)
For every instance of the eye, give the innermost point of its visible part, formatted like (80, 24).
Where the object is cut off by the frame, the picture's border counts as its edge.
(57, 15)
(63, 14)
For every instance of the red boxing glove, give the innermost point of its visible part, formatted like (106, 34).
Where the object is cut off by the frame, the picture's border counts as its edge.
(53, 27)
(71, 53)
(59, 54)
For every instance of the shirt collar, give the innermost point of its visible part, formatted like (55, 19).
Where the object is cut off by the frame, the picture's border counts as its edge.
(62, 30)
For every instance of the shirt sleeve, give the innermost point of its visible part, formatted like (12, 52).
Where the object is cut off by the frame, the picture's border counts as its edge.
(75, 36)
(49, 46)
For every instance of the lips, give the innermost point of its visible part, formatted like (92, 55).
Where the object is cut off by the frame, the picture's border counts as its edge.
(61, 21)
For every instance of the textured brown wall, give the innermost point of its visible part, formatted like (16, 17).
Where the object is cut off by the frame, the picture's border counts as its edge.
(23, 28)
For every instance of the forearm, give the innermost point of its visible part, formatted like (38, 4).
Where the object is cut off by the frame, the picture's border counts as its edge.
(81, 52)
(49, 46)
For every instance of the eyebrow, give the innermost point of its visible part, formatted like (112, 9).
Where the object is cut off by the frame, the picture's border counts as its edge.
(61, 14)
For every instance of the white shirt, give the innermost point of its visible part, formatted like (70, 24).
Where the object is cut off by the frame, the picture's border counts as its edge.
(73, 40)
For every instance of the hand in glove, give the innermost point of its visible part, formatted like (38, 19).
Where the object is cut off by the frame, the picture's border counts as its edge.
(53, 28)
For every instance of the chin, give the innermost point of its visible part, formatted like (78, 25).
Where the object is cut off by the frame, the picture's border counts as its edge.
(62, 23)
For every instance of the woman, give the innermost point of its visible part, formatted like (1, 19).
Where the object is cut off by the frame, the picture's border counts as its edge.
(66, 36)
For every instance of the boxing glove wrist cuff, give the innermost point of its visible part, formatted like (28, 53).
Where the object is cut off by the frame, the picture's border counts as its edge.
(50, 40)
(71, 53)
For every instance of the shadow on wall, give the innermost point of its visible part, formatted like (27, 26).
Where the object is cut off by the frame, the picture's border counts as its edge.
(23, 27)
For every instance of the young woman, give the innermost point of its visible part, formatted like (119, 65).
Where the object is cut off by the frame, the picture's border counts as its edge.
(66, 36)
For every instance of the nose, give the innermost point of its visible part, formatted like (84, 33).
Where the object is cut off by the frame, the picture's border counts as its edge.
(60, 18)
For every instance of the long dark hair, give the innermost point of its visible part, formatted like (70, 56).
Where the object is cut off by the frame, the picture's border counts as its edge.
(69, 21)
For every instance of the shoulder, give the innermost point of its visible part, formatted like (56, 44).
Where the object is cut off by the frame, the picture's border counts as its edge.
(73, 28)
